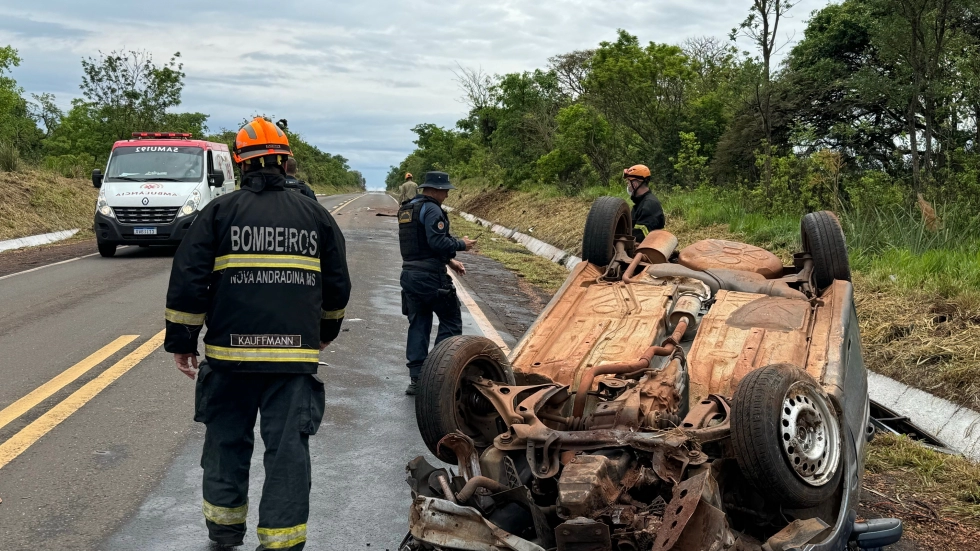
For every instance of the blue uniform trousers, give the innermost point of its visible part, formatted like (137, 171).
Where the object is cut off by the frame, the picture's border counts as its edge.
(425, 293)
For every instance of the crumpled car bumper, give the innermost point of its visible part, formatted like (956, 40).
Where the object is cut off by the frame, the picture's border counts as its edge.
(446, 524)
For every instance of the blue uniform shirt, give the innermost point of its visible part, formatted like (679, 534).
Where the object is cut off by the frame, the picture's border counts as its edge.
(436, 225)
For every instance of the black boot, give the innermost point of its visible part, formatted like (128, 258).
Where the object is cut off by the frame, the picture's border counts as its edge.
(413, 387)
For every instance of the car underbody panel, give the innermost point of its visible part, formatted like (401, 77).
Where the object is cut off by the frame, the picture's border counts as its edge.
(659, 407)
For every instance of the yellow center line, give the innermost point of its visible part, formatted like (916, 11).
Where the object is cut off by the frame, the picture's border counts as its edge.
(19, 442)
(59, 382)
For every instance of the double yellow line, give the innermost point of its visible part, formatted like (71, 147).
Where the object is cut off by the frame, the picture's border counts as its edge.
(33, 432)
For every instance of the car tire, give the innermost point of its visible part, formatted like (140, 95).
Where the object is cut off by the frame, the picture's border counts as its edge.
(823, 238)
(608, 218)
(107, 250)
(797, 470)
(447, 403)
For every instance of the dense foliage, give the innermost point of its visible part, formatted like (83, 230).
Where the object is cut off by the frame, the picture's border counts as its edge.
(122, 92)
(878, 101)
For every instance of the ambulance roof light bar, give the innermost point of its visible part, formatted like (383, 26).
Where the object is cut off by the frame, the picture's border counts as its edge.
(161, 135)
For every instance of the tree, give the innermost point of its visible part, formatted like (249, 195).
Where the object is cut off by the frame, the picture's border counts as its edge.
(761, 27)
(129, 92)
(642, 89)
(17, 127)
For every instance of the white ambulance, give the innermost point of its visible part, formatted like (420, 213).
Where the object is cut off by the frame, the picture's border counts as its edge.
(153, 187)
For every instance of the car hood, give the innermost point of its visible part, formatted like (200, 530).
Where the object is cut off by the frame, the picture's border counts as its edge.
(148, 194)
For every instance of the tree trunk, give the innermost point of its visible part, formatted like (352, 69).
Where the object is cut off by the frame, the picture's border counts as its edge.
(914, 147)
(927, 156)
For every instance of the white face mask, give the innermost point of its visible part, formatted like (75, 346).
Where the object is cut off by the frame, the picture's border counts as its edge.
(631, 187)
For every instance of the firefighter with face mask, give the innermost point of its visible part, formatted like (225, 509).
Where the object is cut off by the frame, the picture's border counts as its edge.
(647, 213)
(266, 270)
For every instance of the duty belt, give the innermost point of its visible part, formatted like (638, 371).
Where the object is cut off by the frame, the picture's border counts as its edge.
(432, 265)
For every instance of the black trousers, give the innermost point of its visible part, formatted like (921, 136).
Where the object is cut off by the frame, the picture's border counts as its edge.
(291, 408)
(425, 293)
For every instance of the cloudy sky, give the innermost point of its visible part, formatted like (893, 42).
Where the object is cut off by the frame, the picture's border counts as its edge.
(351, 77)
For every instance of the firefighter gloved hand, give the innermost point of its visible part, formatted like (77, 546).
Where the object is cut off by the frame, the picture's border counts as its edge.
(187, 364)
(324, 345)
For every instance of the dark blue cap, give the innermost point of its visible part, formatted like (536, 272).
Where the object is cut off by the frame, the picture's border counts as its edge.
(437, 180)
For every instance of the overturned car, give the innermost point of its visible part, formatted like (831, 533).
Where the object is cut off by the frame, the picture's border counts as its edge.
(706, 399)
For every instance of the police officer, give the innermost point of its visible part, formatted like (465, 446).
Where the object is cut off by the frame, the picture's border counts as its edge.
(408, 190)
(427, 249)
(647, 214)
(266, 270)
(294, 183)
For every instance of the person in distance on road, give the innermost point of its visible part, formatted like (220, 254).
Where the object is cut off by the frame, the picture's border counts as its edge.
(427, 249)
(266, 270)
(408, 190)
(294, 183)
(647, 214)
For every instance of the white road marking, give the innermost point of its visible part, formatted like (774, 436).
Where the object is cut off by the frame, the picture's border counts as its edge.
(56, 264)
(481, 319)
(47, 266)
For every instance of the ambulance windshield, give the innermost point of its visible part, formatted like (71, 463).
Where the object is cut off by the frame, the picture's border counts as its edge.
(156, 163)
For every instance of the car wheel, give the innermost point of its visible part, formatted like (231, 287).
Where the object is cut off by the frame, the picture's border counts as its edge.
(608, 218)
(108, 250)
(786, 436)
(823, 238)
(448, 401)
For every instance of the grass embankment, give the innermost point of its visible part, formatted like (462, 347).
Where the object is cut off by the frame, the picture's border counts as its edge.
(917, 291)
(936, 495)
(39, 201)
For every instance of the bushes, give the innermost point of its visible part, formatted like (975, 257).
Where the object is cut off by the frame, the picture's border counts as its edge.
(9, 157)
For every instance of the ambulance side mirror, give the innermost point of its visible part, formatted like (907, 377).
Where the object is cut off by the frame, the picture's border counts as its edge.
(216, 179)
(97, 178)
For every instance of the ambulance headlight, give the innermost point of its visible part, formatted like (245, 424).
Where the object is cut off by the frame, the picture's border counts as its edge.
(193, 202)
(103, 206)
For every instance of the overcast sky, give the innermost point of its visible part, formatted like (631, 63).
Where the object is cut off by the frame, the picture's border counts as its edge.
(352, 77)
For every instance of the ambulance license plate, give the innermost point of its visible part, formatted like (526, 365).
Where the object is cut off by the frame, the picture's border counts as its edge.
(144, 231)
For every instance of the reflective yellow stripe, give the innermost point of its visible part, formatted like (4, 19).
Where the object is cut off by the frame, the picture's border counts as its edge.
(177, 316)
(262, 354)
(333, 314)
(266, 261)
(282, 538)
(225, 516)
(643, 229)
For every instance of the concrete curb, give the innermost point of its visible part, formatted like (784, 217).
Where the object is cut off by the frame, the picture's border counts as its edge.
(35, 240)
(955, 425)
(536, 246)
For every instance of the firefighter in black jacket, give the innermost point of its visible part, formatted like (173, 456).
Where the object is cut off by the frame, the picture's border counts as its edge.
(427, 249)
(647, 214)
(266, 270)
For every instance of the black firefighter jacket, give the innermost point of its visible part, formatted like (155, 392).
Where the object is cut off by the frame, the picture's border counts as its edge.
(266, 270)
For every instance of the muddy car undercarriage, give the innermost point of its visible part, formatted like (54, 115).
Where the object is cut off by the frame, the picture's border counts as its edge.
(709, 400)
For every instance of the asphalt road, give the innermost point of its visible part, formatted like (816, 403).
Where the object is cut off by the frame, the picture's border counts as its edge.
(97, 446)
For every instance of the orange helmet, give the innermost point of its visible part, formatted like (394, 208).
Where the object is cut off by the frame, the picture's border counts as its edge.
(637, 171)
(408, 176)
(260, 138)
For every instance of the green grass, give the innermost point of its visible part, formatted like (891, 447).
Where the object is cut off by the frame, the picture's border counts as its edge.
(953, 481)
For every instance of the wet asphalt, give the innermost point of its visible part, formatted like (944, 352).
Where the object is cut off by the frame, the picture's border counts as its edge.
(359, 499)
